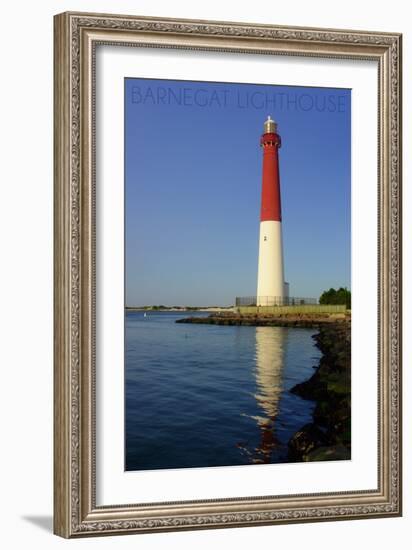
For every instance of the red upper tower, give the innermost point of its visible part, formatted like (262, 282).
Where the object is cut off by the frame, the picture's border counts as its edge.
(270, 141)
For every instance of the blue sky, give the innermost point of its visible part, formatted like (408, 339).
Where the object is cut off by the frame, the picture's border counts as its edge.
(193, 181)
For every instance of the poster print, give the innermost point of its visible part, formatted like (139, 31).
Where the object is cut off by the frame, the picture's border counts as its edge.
(237, 274)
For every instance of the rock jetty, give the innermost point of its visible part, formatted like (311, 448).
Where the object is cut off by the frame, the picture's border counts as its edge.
(305, 320)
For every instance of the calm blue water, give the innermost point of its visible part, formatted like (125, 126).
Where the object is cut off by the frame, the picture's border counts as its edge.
(205, 395)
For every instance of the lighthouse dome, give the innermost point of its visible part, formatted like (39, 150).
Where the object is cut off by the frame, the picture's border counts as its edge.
(270, 126)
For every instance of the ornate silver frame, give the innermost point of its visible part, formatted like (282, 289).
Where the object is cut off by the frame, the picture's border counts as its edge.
(75, 39)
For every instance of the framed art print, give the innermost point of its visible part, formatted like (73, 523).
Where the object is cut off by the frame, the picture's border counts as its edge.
(227, 274)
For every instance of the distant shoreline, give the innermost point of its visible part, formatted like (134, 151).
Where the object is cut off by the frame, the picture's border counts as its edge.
(211, 309)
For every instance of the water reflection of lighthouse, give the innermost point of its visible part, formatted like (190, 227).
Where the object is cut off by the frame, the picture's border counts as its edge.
(269, 356)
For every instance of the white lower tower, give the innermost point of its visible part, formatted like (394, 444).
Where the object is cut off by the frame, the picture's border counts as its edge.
(271, 285)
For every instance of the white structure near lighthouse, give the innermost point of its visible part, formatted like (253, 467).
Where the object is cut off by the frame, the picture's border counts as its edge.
(271, 287)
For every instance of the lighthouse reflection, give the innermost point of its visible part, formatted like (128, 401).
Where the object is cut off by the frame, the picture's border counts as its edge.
(269, 358)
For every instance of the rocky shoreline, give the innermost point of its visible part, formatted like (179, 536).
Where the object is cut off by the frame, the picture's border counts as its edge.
(328, 436)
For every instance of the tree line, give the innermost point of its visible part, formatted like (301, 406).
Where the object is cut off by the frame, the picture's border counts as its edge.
(335, 297)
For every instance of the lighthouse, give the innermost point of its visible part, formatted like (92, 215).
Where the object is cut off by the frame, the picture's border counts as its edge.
(271, 286)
